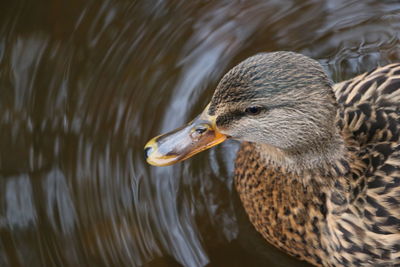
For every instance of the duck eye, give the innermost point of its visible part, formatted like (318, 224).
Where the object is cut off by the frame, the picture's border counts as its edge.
(253, 110)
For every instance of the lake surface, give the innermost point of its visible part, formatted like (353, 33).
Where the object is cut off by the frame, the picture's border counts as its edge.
(85, 84)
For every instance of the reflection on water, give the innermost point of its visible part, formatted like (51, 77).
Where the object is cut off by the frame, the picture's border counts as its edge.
(84, 85)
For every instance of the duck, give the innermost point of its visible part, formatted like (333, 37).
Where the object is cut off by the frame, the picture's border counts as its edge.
(318, 169)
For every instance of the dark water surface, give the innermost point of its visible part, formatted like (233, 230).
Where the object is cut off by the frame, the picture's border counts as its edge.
(84, 85)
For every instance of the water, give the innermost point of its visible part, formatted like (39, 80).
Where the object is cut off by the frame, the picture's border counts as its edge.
(84, 85)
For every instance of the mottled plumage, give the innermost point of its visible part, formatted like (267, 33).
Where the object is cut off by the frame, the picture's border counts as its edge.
(349, 213)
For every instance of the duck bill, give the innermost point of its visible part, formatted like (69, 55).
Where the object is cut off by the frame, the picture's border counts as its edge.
(184, 142)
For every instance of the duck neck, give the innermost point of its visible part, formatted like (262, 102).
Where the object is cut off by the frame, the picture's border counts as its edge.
(326, 157)
(334, 169)
(327, 165)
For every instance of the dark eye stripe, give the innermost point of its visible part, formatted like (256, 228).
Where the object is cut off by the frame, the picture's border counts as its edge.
(238, 114)
(229, 117)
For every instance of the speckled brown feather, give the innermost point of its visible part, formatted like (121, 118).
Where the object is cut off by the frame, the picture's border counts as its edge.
(352, 218)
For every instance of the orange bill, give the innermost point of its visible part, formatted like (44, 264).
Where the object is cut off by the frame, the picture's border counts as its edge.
(184, 142)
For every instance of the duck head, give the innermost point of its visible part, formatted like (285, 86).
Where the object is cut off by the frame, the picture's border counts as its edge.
(282, 100)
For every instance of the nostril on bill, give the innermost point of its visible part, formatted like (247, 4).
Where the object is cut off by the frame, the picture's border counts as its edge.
(147, 151)
(201, 130)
